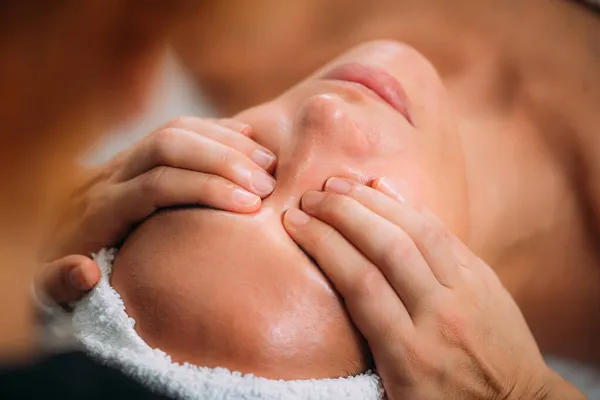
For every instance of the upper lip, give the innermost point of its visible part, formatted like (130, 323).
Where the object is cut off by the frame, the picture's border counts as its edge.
(377, 80)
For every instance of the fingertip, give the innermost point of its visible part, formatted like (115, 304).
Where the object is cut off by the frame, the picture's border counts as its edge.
(311, 200)
(384, 186)
(246, 130)
(295, 218)
(263, 158)
(85, 276)
(245, 201)
(92, 273)
(338, 185)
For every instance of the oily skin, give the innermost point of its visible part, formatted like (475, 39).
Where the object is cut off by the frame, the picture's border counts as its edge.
(221, 289)
(526, 93)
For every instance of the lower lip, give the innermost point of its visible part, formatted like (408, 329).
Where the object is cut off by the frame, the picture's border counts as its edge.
(377, 80)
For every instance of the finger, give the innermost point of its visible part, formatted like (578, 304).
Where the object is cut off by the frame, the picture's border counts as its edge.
(176, 147)
(383, 243)
(187, 150)
(235, 134)
(431, 237)
(373, 305)
(231, 133)
(444, 252)
(167, 187)
(465, 256)
(234, 125)
(68, 279)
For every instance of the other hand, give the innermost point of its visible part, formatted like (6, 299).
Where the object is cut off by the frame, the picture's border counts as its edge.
(437, 319)
(192, 161)
(188, 161)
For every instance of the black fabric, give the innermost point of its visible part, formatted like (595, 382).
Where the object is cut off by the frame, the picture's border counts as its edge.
(69, 376)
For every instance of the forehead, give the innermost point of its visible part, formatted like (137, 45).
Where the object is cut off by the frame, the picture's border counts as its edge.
(108, 333)
(222, 290)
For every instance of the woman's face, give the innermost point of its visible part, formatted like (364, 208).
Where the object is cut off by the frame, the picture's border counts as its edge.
(379, 110)
(221, 289)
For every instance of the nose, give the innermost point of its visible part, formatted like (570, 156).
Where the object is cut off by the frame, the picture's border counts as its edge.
(326, 142)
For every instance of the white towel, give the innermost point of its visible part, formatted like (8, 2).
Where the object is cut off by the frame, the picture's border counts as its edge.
(108, 334)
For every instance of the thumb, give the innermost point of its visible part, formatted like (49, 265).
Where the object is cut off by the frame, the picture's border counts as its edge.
(68, 279)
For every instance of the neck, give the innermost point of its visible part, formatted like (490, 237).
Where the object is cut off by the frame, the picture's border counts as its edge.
(527, 100)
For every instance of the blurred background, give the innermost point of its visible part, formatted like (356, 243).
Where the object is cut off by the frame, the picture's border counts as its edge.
(235, 54)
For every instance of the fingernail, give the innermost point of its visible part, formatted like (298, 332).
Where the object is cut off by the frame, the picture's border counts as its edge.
(311, 200)
(245, 198)
(79, 279)
(385, 187)
(262, 182)
(262, 158)
(246, 130)
(295, 217)
(338, 185)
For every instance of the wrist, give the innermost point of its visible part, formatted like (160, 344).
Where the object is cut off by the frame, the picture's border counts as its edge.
(67, 236)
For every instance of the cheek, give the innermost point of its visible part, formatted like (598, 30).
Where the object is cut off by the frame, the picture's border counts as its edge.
(426, 166)
(387, 131)
(408, 176)
(271, 124)
(440, 186)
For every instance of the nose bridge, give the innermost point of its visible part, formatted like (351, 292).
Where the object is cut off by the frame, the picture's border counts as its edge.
(325, 125)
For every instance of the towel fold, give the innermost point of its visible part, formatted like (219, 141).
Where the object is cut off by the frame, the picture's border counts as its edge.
(108, 334)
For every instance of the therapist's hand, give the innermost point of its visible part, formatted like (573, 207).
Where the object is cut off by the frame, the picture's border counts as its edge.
(67, 279)
(189, 161)
(437, 319)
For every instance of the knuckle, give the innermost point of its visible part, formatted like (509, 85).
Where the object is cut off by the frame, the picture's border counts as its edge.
(153, 183)
(162, 145)
(400, 249)
(214, 181)
(226, 156)
(453, 326)
(418, 207)
(434, 234)
(420, 361)
(183, 121)
(365, 285)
